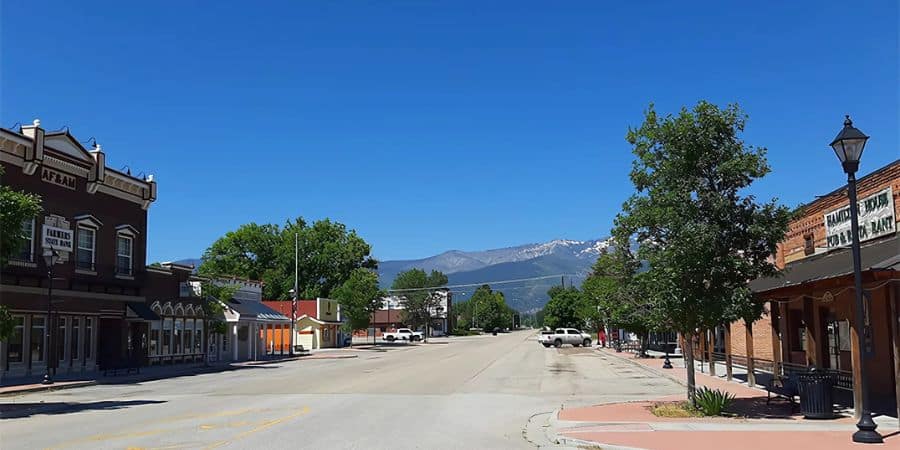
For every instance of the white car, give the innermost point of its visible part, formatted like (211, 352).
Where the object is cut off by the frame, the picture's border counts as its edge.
(403, 334)
(562, 336)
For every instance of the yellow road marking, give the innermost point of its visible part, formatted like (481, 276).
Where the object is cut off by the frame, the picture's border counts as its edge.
(265, 425)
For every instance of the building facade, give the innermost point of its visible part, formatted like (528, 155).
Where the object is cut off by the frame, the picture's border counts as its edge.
(95, 220)
(810, 310)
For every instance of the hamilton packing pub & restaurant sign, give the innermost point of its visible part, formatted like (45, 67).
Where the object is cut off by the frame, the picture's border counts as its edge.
(876, 219)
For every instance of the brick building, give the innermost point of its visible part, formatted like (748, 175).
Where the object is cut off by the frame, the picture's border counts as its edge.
(810, 309)
(94, 220)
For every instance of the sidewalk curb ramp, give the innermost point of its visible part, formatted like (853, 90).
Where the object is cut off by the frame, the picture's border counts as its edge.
(644, 367)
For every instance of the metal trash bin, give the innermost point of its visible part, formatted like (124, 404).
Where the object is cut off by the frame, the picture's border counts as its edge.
(815, 394)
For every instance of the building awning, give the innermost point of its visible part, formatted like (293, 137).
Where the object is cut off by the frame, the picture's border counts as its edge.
(249, 309)
(141, 311)
(883, 255)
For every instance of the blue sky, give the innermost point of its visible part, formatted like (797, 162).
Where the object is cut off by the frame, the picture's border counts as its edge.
(429, 126)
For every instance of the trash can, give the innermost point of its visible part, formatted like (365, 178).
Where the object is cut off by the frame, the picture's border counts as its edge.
(815, 394)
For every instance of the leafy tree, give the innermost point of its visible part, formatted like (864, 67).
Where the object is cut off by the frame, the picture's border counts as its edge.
(416, 290)
(613, 294)
(564, 309)
(215, 293)
(328, 254)
(702, 236)
(489, 309)
(15, 208)
(360, 297)
(250, 252)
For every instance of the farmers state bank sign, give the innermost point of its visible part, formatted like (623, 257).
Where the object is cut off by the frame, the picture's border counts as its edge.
(876, 218)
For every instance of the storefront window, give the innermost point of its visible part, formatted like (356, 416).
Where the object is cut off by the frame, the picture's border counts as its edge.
(154, 337)
(198, 336)
(14, 352)
(38, 329)
(188, 335)
(88, 337)
(167, 337)
(179, 335)
(75, 348)
(61, 338)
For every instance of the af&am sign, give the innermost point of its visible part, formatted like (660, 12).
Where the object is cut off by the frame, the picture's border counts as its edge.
(876, 218)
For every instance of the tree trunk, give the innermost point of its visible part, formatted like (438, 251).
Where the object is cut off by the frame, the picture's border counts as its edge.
(689, 366)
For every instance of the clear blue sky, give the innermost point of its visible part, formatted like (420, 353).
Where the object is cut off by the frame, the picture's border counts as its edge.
(429, 126)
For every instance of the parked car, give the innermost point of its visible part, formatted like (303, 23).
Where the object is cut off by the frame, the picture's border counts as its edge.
(403, 334)
(546, 338)
(562, 336)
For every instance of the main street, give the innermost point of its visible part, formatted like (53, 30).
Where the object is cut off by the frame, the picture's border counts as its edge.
(468, 392)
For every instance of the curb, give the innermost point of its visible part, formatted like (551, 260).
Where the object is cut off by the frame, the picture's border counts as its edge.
(581, 443)
(49, 388)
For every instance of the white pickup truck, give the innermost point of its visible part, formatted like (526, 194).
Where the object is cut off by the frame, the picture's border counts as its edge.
(562, 336)
(403, 334)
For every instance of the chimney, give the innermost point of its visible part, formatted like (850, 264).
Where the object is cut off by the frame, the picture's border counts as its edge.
(34, 154)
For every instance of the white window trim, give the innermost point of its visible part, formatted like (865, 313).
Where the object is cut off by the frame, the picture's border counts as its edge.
(86, 225)
(127, 235)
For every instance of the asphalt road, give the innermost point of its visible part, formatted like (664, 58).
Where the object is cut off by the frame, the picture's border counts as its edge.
(467, 393)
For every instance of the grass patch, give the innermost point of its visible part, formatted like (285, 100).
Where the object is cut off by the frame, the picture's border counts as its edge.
(675, 410)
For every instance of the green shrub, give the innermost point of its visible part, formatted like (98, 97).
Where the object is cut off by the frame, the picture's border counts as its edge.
(712, 402)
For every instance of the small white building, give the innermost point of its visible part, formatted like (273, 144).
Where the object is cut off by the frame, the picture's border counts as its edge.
(247, 323)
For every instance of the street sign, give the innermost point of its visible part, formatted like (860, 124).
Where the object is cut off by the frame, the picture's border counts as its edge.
(59, 239)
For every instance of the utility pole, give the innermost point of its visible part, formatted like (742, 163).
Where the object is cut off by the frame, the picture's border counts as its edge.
(295, 293)
(562, 281)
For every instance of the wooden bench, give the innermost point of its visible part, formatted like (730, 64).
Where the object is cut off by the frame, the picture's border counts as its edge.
(783, 386)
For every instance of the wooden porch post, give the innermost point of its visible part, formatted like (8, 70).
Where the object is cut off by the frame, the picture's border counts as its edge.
(702, 339)
(728, 368)
(895, 337)
(809, 325)
(774, 311)
(751, 375)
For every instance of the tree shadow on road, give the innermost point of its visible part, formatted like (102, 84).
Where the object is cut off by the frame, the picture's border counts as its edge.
(20, 410)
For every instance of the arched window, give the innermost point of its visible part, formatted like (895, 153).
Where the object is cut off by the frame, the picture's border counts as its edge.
(167, 309)
(156, 307)
(179, 310)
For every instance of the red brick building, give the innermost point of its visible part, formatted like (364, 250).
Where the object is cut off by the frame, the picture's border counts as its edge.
(810, 309)
(95, 219)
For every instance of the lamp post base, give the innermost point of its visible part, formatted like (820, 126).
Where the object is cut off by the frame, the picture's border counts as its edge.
(667, 364)
(866, 433)
(47, 379)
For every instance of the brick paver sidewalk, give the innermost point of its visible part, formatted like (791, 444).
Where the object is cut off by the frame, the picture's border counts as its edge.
(760, 426)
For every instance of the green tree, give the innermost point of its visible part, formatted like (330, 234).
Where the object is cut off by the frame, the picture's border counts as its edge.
(15, 208)
(489, 309)
(360, 297)
(215, 293)
(327, 254)
(564, 309)
(416, 291)
(701, 234)
(612, 293)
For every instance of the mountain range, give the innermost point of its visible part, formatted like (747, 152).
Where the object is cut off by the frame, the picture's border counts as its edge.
(557, 261)
(545, 264)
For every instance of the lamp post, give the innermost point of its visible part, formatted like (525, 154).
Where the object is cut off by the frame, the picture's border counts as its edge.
(848, 146)
(51, 257)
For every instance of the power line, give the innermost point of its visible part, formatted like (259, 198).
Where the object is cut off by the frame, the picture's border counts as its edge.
(518, 280)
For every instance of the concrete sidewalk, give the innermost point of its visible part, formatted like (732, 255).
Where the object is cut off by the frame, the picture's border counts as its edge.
(755, 425)
(33, 384)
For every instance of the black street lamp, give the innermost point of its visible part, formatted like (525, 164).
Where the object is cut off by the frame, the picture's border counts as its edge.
(51, 257)
(848, 146)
